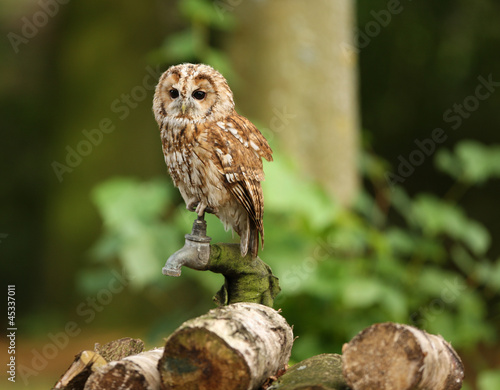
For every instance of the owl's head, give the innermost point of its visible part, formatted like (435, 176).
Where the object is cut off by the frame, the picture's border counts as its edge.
(192, 92)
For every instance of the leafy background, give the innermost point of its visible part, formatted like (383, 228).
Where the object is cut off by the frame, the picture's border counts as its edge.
(421, 252)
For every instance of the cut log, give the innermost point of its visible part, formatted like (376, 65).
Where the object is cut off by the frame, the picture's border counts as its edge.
(78, 372)
(232, 347)
(86, 362)
(321, 372)
(137, 372)
(400, 357)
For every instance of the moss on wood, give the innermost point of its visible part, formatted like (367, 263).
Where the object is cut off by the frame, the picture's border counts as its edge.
(247, 279)
(321, 372)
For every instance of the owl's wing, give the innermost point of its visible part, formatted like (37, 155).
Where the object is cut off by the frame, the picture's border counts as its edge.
(239, 148)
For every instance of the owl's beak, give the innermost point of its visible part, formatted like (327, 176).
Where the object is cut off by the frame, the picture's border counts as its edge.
(183, 108)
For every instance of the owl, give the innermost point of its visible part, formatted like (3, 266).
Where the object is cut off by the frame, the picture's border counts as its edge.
(213, 154)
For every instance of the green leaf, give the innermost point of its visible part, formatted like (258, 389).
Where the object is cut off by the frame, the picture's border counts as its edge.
(91, 281)
(220, 61)
(489, 380)
(448, 163)
(493, 279)
(472, 162)
(179, 47)
(395, 303)
(140, 260)
(107, 245)
(362, 292)
(476, 237)
(206, 12)
(403, 204)
(131, 211)
(368, 207)
(288, 192)
(474, 159)
(373, 166)
(402, 241)
(120, 200)
(433, 282)
(436, 217)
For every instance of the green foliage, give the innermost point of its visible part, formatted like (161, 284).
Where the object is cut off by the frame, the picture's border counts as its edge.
(489, 380)
(194, 43)
(437, 218)
(340, 270)
(472, 163)
(131, 214)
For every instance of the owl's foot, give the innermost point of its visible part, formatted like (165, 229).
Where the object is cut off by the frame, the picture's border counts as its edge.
(200, 208)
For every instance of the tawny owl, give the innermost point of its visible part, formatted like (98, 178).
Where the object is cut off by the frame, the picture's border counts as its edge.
(213, 154)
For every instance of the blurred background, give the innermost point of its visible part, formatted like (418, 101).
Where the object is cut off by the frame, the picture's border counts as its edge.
(381, 204)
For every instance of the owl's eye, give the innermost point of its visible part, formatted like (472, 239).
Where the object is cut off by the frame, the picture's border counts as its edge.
(174, 94)
(199, 95)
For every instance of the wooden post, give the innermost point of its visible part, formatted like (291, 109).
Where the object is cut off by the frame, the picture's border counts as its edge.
(246, 279)
(395, 356)
(231, 347)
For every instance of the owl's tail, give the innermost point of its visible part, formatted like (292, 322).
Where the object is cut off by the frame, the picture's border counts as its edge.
(236, 217)
(250, 238)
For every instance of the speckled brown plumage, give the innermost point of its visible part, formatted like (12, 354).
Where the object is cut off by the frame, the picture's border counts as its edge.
(213, 154)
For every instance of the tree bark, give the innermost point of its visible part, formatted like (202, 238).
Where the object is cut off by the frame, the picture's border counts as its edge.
(120, 349)
(137, 372)
(393, 356)
(292, 59)
(321, 372)
(232, 347)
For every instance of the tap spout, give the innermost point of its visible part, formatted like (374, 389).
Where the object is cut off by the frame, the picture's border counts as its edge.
(194, 254)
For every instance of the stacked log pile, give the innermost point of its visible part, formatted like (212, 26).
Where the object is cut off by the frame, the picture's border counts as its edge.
(247, 346)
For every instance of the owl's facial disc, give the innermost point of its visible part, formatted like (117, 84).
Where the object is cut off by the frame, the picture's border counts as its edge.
(188, 97)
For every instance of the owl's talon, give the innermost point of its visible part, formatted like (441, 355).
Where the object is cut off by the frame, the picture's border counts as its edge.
(211, 210)
(200, 208)
(192, 206)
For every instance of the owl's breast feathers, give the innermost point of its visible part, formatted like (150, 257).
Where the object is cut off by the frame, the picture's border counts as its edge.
(233, 145)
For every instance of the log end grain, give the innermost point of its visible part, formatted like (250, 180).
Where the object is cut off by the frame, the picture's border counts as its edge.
(196, 356)
(400, 357)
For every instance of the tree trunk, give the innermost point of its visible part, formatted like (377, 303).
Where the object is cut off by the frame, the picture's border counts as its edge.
(291, 54)
(232, 347)
(400, 357)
